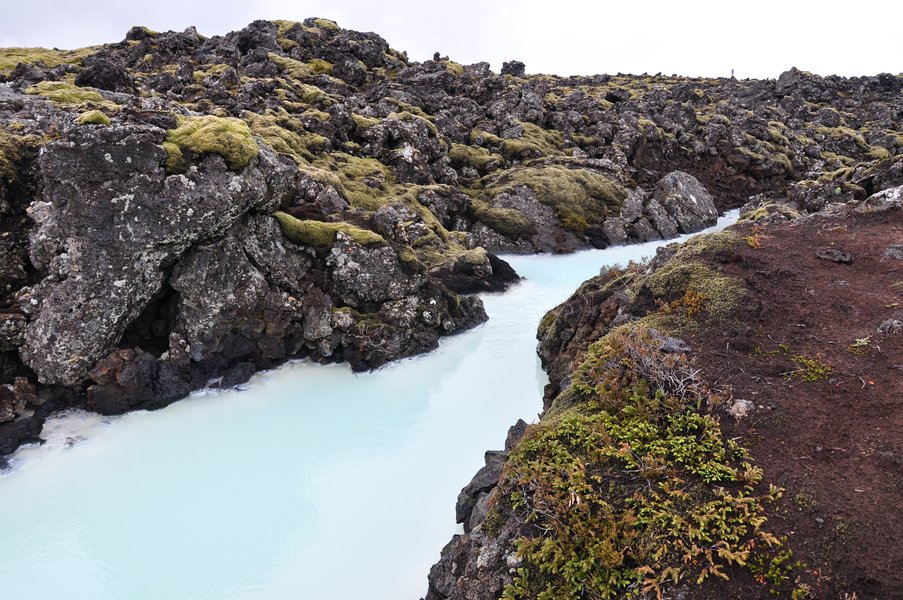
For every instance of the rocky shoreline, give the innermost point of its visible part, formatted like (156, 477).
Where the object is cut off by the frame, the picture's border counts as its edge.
(718, 288)
(179, 211)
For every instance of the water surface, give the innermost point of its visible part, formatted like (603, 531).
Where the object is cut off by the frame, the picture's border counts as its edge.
(310, 483)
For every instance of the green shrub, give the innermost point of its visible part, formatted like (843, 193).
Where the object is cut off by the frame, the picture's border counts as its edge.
(632, 488)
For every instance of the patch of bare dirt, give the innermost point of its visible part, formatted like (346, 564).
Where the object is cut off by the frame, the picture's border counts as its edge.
(825, 388)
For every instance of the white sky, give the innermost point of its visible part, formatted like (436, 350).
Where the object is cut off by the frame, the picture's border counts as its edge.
(697, 37)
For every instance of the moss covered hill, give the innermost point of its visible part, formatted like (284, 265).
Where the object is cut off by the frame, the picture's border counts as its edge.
(721, 422)
(176, 210)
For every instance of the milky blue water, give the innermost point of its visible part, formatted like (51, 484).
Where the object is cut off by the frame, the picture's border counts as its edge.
(310, 483)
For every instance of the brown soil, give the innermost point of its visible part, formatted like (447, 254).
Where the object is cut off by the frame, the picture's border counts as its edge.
(835, 444)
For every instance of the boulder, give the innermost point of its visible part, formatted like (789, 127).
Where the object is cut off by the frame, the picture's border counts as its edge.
(685, 201)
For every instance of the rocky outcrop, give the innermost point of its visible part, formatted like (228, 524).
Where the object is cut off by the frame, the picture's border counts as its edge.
(139, 255)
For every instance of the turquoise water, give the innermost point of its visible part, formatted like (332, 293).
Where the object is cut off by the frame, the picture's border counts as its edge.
(310, 483)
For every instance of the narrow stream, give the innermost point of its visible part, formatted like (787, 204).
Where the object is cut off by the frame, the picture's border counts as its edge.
(310, 483)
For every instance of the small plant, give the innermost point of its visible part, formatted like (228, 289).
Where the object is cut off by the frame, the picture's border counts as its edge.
(859, 346)
(754, 240)
(808, 368)
(689, 305)
(776, 569)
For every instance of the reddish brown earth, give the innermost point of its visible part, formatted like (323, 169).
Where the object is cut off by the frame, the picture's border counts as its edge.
(835, 444)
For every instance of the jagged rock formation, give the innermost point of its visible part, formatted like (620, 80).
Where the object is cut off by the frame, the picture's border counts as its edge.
(177, 209)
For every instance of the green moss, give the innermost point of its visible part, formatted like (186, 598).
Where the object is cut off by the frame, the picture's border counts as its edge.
(322, 235)
(363, 122)
(454, 67)
(404, 107)
(710, 245)
(766, 210)
(632, 488)
(477, 256)
(311, 94)
(364, 182)
(286, 135)
(213, 70)
(723, 296)
(10, 57)
(93, 117)
(327, 25)
(61, 92)
(508, 221)
(229, 137)
(409, 116)
(535, 142)
(301, 70)
(877, 153)
(13, 150)
(580, 197)
(474, 156)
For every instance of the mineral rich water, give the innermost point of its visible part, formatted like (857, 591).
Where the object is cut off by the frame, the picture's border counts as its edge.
(309, 483)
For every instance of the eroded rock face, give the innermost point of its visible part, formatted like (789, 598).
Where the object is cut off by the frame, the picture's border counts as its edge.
(112, 222)
(146, 284)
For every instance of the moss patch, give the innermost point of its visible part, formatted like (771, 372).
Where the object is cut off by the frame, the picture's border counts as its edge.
(92, 117)
(301, 70)
(322, 235)
(720, 296)
(580, 197)
(509, 222)
(229, 137)
(61, 92)
(365, 182)
(13, 150)
(286, 134)
(10, 57)
(474, 156)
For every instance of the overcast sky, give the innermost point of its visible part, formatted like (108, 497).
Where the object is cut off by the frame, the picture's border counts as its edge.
(564, 37)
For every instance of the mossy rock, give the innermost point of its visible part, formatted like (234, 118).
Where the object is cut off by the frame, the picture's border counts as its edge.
(286, 135)
(229, 137)
(66, 94)
(10, 57)
(364, 182)
(93, 117)
(509, 222)
(364, 122)
(580, 197)
(301, 70)
(13, 150)
(474, 156)
(322, 235)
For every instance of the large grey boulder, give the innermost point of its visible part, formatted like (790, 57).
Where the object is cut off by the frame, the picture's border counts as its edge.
(110, 224)
(686, 202)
